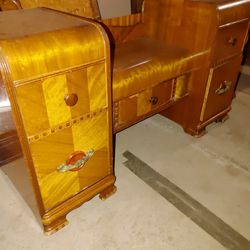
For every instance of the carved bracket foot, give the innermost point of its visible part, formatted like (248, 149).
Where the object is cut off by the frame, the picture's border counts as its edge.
(106, 193)
(55, 225)
(200, 133)
(197, 132)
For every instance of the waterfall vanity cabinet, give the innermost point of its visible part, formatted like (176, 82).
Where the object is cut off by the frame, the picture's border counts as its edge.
(73, 82)
(60, 100)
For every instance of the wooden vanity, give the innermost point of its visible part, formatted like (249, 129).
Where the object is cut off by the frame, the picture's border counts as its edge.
(223, 30)
(74, 82)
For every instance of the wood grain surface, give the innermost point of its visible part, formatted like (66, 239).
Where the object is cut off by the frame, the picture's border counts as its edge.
(174, 66)
(37, 78)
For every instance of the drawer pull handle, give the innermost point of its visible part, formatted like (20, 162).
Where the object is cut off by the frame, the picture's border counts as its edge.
(75, 161)
(232, 41)
(71, 99)
(153, 100)
(224, 87)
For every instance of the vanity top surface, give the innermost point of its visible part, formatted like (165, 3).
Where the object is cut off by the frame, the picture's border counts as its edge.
(19, 23)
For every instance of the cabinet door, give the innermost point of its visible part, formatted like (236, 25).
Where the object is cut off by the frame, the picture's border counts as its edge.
(221, 88)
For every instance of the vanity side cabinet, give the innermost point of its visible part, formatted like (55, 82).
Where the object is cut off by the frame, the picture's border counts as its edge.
(220, 27)
(225, 66)
(56, 73)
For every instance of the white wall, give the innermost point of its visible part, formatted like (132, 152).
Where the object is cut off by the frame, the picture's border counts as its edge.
(114, 8)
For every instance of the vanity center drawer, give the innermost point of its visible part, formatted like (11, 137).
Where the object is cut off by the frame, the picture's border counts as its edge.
(136, 107)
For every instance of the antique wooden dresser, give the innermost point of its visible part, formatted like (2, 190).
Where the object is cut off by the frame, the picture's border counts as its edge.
(58, 82)
(217, 26)
(68, 96)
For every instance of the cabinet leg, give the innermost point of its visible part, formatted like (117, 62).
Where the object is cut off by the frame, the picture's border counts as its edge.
(55, 225)
(106, 193)
(197, 132)
(222, 118)
(200, 133)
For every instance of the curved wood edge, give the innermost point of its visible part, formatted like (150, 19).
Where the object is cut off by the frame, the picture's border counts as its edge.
(55, 225)
(109, 191)
(10, 5)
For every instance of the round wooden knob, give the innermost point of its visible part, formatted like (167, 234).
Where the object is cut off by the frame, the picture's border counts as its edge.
(71, 99)
(232, 41)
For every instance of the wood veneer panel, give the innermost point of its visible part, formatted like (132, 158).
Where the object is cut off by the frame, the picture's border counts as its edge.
(39, 78)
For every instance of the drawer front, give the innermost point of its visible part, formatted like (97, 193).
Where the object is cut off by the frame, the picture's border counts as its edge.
(134, 108)
(47, 103)
(230, 40)
(221, 88)
(59, 158)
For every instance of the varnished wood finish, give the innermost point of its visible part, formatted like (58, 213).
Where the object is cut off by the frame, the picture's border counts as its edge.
(56, 225)
(174, 67)
(144, 63)
(230, 41)
(221, 27)
(125, 21)
(214, 102)
(106, 193)
(78, 7)
(186, 111)
(50, 130)
(10, 5)
(140, 63)
(125, 28)
(133, 108)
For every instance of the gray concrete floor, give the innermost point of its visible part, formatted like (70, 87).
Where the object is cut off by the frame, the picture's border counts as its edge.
(214, 170)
